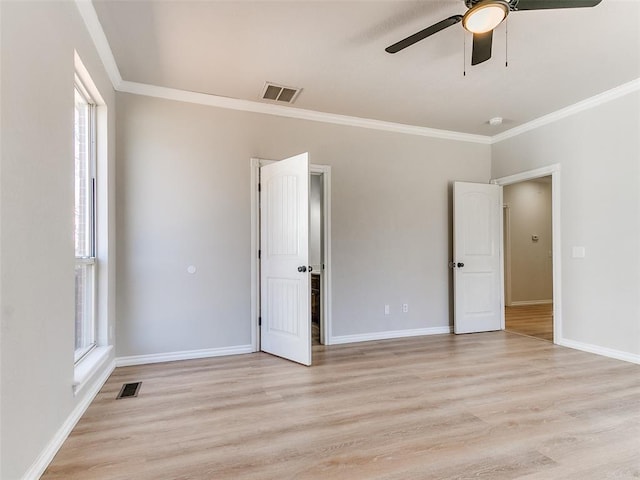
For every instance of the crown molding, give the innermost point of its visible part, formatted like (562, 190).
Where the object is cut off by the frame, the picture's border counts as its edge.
(604, 97)
(299, 113)
(90, 17)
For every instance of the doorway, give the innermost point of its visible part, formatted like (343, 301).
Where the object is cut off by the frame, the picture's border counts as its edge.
(528, 261)
(531, 253)
(316, 255)
(319, 252)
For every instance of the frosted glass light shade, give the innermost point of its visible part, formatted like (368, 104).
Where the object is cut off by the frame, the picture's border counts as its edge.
(485, 16)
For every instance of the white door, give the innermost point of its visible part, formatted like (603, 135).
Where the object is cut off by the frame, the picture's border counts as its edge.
(476, 257)
(284, 244)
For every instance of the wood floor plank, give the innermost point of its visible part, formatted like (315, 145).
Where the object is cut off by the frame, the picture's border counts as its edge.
(491, 405)
(532, 320)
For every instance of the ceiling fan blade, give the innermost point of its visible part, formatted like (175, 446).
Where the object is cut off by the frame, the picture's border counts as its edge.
(422, 34)
(549, 4)
(481, 47)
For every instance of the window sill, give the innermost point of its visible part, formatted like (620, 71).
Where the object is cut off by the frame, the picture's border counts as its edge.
(88, 366)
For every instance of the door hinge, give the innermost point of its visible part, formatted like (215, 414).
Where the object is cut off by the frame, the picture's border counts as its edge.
(259, 187)
(259, 254)
(259, 321)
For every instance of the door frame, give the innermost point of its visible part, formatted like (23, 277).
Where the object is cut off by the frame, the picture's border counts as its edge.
(325, 287)
(554, 172)
(506, 241)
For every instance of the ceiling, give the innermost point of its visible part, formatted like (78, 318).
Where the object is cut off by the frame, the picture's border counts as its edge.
(334, 51)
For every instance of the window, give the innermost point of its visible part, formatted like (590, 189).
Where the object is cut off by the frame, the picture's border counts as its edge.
(85, 221)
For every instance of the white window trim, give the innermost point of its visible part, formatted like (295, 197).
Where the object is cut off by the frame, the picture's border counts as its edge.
(90, 260)
(88, 365)
(94, 358)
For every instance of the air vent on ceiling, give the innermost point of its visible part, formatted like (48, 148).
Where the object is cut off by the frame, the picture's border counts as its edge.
(279, 93)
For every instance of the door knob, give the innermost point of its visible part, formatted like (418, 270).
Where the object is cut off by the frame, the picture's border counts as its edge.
(302, 269)
(460, 264)
(310, 268)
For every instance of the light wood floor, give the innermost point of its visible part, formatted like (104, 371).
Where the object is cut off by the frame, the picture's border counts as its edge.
(491, 406)
(533, 320)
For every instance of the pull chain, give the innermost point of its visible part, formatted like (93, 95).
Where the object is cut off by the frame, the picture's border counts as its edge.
(506, 43)
(464, 54)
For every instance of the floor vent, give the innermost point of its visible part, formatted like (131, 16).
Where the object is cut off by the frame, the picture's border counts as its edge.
(129, 390)
(278, 93)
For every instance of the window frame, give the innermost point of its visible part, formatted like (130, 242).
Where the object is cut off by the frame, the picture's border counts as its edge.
(88, 262)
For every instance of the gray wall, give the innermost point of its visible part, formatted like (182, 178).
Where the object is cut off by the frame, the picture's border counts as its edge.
(183, 189)
(531, 261)
(599, 154)
(36, 202)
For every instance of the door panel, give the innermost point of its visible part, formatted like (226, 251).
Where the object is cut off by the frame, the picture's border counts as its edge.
(282, 299)
(476, 257)
(284, 243)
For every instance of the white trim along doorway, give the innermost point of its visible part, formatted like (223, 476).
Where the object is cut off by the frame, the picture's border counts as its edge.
(554, 172)
(325, 289)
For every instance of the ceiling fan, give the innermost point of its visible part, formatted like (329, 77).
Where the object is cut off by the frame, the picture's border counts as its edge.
(482, 17)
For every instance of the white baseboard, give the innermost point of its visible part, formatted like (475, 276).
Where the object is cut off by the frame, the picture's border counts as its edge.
(184, 355)
(606, 352)
(45, 457)
(530, 302)
(367, 337)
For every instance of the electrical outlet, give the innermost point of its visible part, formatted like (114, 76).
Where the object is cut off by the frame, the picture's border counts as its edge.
(405, 307)
(386, 310)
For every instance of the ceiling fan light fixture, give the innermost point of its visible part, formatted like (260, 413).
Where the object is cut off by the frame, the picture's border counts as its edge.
(485, 16)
